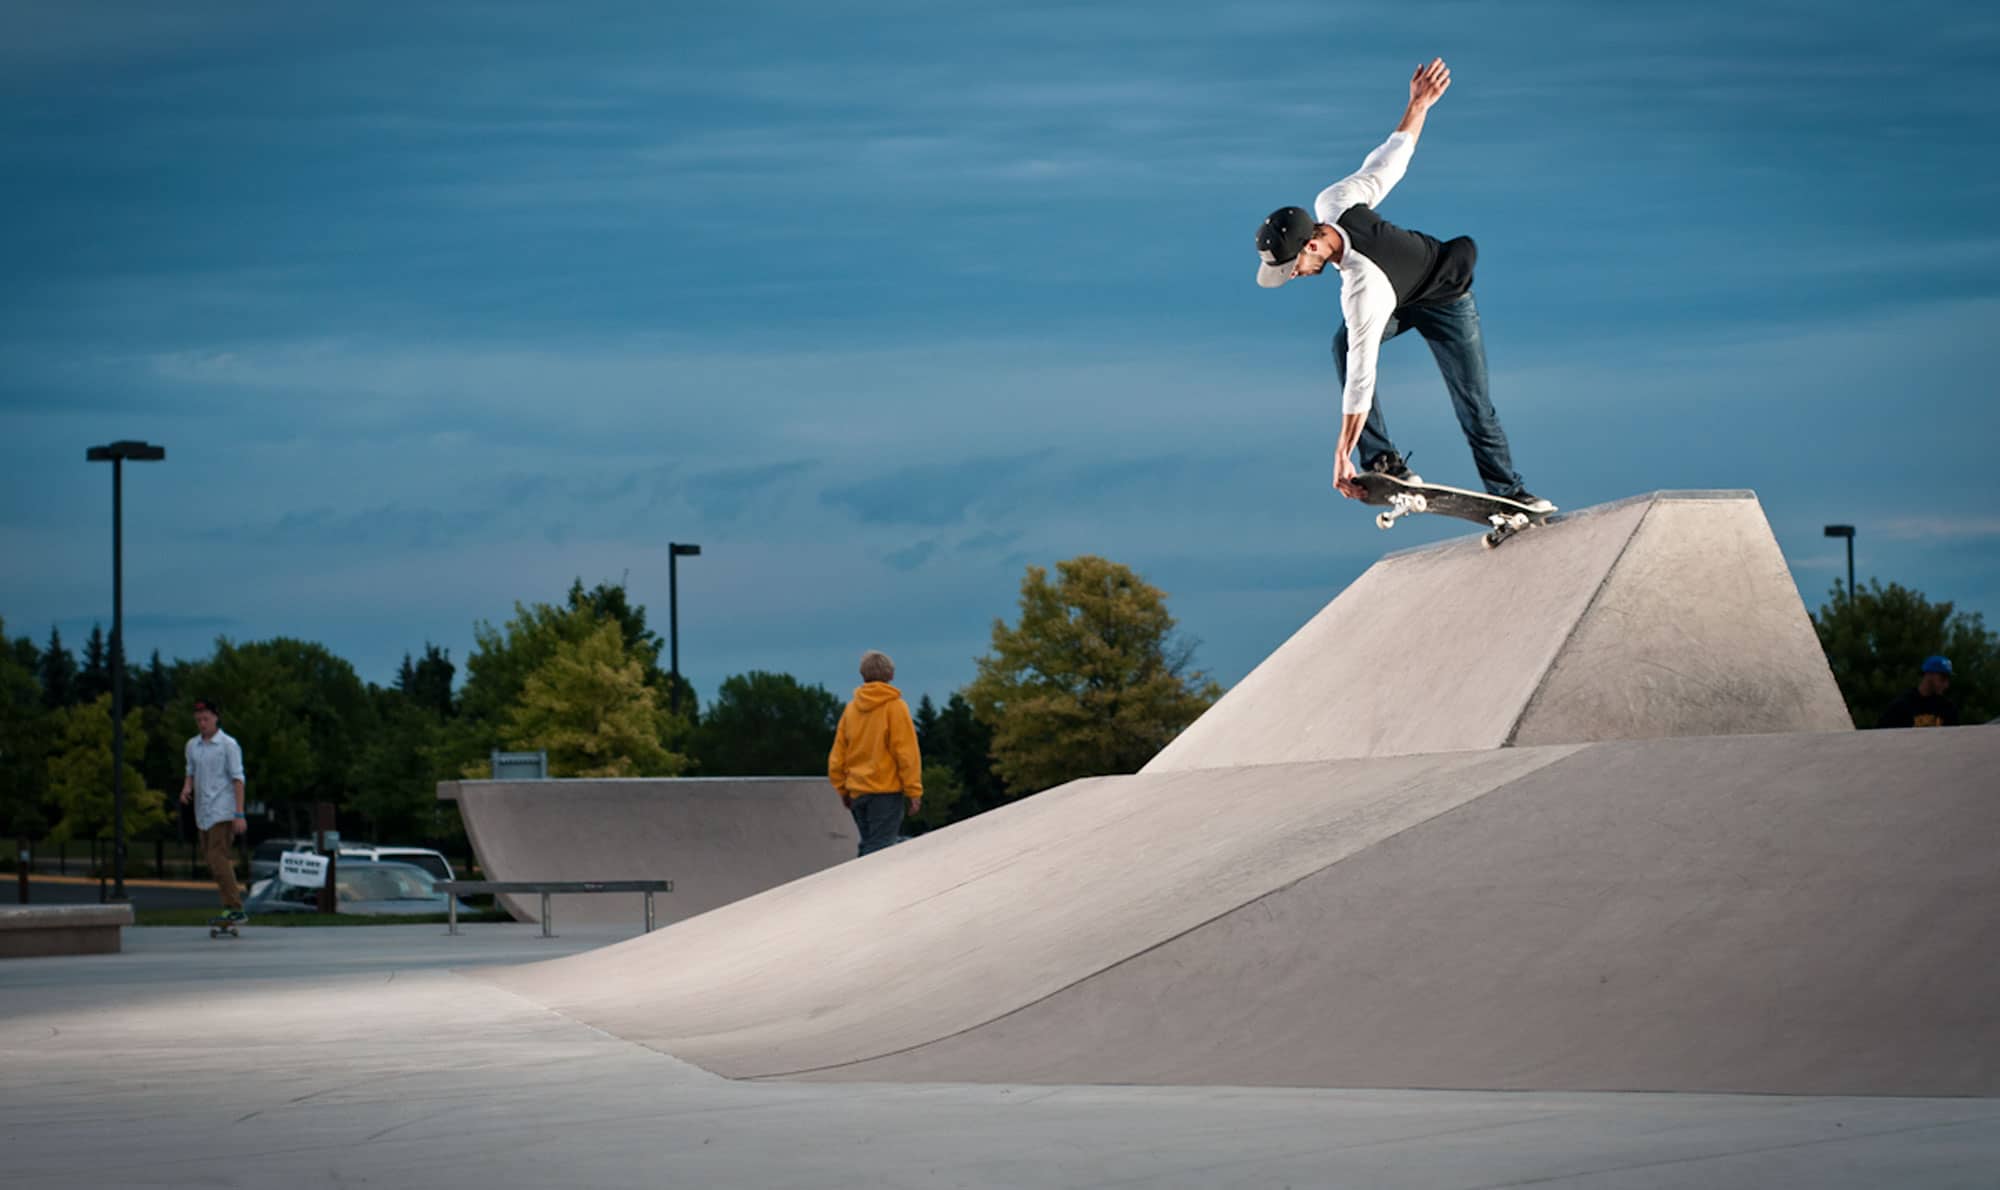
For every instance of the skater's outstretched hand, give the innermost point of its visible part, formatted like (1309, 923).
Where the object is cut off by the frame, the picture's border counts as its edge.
(1343, 477)
(1429, 83)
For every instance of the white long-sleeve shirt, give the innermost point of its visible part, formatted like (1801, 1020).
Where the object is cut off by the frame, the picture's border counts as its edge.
(1367, 296)
(214, 766)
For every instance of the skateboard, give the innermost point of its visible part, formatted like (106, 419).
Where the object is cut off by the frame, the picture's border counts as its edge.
(1502, 517)
(218, 926)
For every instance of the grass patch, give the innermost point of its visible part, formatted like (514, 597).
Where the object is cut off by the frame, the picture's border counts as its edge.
(201, 917)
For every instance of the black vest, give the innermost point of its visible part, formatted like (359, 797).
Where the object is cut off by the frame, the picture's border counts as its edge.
(1424, 272)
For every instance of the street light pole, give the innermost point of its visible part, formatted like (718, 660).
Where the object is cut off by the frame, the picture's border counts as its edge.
(116, 453)
(1846, 531)
(675, 552)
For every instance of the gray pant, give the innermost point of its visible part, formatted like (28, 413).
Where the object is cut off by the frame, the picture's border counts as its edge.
(879, 818)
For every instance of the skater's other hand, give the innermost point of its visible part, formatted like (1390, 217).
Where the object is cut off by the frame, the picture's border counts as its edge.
(1343, 478)
(1430, 82)
(241, 826)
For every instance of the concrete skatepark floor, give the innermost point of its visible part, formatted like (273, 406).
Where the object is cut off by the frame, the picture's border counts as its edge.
(337, 1057)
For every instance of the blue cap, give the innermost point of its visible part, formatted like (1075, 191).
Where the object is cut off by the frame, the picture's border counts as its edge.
(1938, 665)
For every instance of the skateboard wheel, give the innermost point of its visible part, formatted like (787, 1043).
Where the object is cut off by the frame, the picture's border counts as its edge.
(1383, 520)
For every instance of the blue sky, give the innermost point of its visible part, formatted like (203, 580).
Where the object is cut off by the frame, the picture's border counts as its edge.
(438, 306)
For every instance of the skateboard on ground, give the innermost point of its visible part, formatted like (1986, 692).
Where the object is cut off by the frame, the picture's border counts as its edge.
(1502, 517)
(218, 926)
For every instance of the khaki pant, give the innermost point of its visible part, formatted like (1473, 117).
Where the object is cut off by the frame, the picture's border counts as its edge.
(218, 844)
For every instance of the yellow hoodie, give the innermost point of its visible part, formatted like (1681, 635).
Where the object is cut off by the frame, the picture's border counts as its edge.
(875, 747)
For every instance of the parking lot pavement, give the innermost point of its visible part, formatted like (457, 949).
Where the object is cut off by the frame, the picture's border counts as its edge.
(77, 891)
(340, 1056)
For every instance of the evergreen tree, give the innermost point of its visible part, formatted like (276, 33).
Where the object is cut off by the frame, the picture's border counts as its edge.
(966, 744)
(151, 692)
(58, 674)
(151, 687)
(94, 679)
(427, 683)
(767, 725)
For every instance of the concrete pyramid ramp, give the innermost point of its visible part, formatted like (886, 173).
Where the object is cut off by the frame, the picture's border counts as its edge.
(1665, 615)
(1804, 914)
(719, 839)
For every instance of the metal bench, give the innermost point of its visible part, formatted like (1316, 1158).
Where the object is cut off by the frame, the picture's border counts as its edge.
(546, 887)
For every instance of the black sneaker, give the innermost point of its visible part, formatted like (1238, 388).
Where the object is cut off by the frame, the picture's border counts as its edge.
(1394, 466)
(1530, 501)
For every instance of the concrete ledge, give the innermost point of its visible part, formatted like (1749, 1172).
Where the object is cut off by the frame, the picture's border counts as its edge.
(28, 931)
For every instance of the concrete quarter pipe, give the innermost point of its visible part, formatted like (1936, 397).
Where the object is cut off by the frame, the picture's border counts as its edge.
(719, 839)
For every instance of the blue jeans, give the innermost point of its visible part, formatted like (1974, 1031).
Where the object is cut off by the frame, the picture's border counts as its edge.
(1452, 330)
(878, 817)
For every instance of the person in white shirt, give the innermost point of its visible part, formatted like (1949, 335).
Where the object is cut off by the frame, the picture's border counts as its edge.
(214, 786)
(1393, 280)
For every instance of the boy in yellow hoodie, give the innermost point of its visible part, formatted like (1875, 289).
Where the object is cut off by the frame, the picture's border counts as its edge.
(874, 762)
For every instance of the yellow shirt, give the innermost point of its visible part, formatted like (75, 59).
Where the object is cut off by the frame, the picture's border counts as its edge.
(875, 747)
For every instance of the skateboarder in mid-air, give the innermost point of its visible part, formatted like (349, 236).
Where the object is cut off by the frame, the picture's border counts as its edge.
(1393, 280)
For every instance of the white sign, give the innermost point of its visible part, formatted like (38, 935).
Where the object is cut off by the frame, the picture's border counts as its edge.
(302, 869)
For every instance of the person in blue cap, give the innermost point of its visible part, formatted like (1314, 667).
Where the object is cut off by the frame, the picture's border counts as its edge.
(1925, 706)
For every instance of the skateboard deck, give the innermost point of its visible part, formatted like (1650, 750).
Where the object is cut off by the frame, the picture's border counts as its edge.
(219, 926)
(1502, 518)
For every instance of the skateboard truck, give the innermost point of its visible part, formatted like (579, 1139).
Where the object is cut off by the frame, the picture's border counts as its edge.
(1402, 504)
(1505, 525)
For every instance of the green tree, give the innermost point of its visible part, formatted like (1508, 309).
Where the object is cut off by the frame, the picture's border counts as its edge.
(300, 713)
(80, 774)
(94, 678)
(502, 659)
(26, 655)
(58, 673)
(427, 683)
(944, 795)
(767, 725)
(588, 706)
(396, 774)
(955, 737)
(151, 691)
(1090, 681)
(24, 727)
(1876, 643)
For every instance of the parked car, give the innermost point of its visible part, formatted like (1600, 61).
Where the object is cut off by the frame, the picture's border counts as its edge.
(363, 886)
(430, 861)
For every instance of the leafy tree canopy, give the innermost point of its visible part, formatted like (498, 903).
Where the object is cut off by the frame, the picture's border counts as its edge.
(1091, 679)
(80, 774)
(588, 706)
(1876, 644)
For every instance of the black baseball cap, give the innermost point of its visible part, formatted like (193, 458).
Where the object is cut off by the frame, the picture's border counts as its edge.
(1280, 240)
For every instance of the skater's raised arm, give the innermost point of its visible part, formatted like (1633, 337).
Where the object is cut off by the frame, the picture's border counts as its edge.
(1427, 86)
(1385, 166)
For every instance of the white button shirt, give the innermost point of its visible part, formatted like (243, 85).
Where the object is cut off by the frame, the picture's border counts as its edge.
(1367, 296)
(214, 765)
